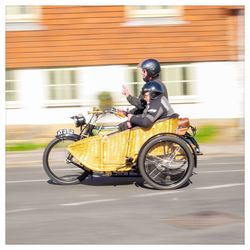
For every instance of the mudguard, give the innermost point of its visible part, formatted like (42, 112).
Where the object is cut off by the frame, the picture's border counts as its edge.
(192, 148)
(173, 134)
(74, 137)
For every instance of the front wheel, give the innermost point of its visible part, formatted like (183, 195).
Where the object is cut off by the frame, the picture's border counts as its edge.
(166, 162)
(60, 165)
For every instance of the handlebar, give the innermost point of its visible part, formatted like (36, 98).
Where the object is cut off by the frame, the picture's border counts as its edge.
(95, 112)
(106, 111)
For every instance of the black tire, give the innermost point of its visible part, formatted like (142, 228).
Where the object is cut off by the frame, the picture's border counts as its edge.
(56, 166)
(166, 162)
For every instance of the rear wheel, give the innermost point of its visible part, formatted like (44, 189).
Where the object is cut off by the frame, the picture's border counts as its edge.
(166, 162)
(60, 165)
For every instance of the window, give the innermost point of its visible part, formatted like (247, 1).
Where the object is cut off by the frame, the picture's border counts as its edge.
(141, 11)
(11, 89)
(22, 13)
(179, 79)
(154, 14)
(135, 82)
(23, 17)
(62, 88)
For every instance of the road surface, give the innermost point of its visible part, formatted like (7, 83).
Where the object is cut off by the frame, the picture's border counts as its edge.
(120, 210)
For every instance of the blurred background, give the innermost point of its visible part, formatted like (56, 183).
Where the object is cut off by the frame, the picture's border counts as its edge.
(63, 60)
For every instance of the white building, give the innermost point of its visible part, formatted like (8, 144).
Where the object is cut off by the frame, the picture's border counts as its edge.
(208, 90)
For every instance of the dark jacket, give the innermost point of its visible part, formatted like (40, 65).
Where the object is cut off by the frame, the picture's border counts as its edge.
(138, 101)
(156, 109)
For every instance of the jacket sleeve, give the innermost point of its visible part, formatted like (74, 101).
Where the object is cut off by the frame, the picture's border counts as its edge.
(135, 101)
(155, 110)
(165, 91)
(132, 111)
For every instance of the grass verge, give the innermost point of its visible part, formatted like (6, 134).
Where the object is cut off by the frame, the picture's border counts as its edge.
(207, 133)
(24, 146)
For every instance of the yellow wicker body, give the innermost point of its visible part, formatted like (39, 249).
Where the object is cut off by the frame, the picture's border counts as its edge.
(106, 153)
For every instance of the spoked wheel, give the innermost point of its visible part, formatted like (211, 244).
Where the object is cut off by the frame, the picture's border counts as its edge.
(166, 162)
(60, 165)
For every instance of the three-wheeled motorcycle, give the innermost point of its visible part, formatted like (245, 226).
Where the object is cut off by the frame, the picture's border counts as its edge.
(163, 155)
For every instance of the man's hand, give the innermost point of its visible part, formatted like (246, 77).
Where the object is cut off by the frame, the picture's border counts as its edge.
(121, 111)
(129, 125)
(129, 116)
(125, 90)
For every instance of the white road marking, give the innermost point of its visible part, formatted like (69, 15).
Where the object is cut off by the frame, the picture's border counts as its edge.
(133, 196)
(220, 163)
(68, 169)
(220, 171)
(87, 202)
(157, 193)
(19, 210)
(23, 162)
(97, 176)
(221, 186)
(26, 181)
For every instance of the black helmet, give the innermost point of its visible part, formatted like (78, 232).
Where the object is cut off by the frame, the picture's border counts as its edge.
(154, 88)
(152, 67)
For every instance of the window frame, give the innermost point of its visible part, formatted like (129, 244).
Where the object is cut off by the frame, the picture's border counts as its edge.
(161, 16)
(16, 103)
(135, 12)
(62, 102)
(32, 17)
(191, 98)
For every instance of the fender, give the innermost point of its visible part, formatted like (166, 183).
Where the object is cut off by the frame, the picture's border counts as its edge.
(172, 134)
(74, 137)
(192, 148)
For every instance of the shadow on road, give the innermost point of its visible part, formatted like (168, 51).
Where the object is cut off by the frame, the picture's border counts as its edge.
(137, 181)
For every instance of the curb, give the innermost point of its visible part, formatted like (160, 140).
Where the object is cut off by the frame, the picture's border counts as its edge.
(223, 149)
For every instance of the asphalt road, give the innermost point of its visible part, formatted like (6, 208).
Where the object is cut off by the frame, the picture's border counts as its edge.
(118, 210)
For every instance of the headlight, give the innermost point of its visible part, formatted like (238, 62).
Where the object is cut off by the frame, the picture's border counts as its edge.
(79, 120)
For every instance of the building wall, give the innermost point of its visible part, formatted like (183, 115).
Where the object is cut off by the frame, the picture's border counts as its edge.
(219, 94)
(100, 42)
(102, 35)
